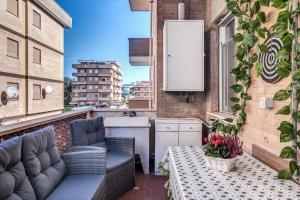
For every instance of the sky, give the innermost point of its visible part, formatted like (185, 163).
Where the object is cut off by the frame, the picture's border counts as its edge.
(100, 32)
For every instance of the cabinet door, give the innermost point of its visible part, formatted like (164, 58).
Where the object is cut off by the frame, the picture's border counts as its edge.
(190, 138)
(163, 140)
(184, 56)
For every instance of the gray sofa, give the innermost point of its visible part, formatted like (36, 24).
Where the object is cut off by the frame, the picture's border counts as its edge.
(31, 168)
(120, 157)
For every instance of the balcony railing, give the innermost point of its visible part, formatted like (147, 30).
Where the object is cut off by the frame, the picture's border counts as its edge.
(79, 82)
(77, 74)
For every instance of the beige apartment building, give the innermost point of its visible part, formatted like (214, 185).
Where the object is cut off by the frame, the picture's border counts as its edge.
(98, 83)
(140, 89)
(31, 58)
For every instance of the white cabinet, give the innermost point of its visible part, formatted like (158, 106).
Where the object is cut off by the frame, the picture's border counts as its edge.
(183, 55)
(175, 132)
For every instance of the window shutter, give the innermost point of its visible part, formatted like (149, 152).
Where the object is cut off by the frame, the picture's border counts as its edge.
(12, 48)
(36, 55)
(36, 19)
(36, 92)
(12, 6)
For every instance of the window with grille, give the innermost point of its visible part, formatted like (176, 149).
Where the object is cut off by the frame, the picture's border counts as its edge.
(227, 62)
(37, 92)
(13, 7)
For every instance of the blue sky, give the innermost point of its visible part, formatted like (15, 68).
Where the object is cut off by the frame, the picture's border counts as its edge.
(101, 29)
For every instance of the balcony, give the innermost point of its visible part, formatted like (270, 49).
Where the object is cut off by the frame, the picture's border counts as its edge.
(139, 51)
(139, 5)
(76, 99)
(78, 74)
(75, 90)
(79, 82)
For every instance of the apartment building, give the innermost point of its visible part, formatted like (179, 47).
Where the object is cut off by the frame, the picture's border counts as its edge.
(140, 89)
(97, 83)
(31, 58)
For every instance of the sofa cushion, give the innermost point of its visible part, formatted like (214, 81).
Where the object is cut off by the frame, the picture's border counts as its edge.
(98, 144)
(114, 160)
(79, 187)
(14, 184)
(42, 161)
(87, 131)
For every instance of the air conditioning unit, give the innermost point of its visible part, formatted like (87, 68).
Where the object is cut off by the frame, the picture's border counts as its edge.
(183, 69)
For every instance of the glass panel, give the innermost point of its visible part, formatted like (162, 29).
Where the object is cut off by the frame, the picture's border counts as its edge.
(15, 85)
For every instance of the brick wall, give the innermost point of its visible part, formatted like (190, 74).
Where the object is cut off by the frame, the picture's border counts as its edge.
(170, 104)
(61, 128)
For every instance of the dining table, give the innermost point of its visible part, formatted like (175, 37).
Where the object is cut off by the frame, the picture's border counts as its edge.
(191, 179)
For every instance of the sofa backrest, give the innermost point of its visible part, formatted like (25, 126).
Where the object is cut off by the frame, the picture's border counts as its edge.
(87, 131)
(42, 161)
(14, 183)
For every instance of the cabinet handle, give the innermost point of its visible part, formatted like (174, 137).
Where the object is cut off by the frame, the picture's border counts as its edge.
(168, 127)
(191, 128)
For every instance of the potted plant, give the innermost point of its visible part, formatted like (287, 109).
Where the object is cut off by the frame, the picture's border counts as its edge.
(221, 151)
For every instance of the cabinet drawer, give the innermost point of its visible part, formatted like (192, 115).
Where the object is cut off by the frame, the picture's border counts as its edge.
(190, 127)
(166, 127)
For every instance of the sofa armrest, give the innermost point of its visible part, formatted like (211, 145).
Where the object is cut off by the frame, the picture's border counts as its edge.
(85, 148)
(91, 161)
(121, 145)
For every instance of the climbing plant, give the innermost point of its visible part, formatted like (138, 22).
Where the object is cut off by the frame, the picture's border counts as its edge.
(251, 31)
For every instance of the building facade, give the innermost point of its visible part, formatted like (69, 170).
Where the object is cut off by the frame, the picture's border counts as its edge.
(260, 135)
(97, 83)
(140, 89)
(31, 58)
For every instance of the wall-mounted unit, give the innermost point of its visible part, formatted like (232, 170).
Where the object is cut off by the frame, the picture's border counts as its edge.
(183, 55)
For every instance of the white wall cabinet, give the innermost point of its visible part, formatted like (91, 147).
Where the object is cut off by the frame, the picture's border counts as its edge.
(175, 132)
(183, 55)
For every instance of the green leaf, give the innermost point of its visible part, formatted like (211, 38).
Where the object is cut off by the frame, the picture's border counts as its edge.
(262, 32)
(235, 99)
(284, 16)
(228, 120)
(298, 133)
(293, 166)
(258, 69)
(283, 54)
(235, 108)
(238, 37)
(253, 58)
(281, 95)
(298, 144)
(264, 2)
(296, 116)
(263, 48)
(237, 88)
(256, 7)
(284, 174)
(285, 110)
(286, 130)
(296, 75)
(287, 152)
(262, 16)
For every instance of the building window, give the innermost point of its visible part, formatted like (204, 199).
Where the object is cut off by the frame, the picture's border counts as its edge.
(13, 7)
(36, 92)
(36, 19)
(226, 63)
(12, 48)
(37, 55)
(14, 87)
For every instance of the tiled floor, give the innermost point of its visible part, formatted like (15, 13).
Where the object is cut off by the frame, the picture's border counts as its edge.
(147, 187)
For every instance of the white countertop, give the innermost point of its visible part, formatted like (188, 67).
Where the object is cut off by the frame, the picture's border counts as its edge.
(178, 120)
(121, 122)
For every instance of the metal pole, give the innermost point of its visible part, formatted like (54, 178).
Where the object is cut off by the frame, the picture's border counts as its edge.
(294, 90)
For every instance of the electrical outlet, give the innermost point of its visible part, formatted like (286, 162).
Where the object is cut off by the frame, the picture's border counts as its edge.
(266, 102)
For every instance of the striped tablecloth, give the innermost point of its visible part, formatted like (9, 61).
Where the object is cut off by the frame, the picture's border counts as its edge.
(189, 178)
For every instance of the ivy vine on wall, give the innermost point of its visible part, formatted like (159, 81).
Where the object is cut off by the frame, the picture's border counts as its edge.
(250, 37)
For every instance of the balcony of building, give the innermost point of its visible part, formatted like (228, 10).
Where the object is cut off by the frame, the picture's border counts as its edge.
(139, 51)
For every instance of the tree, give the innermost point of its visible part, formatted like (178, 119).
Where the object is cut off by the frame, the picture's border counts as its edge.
(67, 91)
